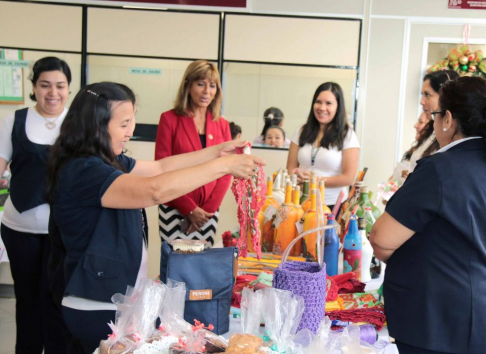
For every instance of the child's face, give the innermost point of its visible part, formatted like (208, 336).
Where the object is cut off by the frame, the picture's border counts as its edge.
(274, 138)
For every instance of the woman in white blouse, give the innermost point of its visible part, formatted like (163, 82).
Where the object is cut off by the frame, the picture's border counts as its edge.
(326, 144)
(25, 138)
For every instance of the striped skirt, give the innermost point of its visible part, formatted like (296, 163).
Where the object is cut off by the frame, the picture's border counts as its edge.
(170, 226)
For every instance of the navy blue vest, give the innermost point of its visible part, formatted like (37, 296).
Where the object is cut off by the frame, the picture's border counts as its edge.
(112, 259)
(28, 183)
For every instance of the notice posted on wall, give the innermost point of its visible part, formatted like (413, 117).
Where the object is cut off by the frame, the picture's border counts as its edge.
(467, 4)
(11, 76)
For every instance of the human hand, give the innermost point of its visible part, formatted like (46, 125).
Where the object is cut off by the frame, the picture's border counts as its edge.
(3, 183)
(301, 174)
(405, 173)
(229, 147)
(198, 217)
(242, 165)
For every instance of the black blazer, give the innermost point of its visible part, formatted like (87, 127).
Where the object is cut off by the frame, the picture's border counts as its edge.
(435, 283)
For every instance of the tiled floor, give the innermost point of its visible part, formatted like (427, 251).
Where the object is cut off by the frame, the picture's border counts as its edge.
(7, 326)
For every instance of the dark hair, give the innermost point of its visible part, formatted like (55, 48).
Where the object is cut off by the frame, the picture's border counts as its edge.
(235, 130)
(465, 98)
(336, 131)
(48, 64)
(272, 116)
(84, 131)
(436, 79)
(275, 127)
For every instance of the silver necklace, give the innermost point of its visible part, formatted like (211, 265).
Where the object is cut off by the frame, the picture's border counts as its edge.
(50, 124)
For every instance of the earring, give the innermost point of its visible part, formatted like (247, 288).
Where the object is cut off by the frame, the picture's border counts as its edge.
(444, 129)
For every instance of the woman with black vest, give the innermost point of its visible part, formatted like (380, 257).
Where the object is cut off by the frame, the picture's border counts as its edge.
(25, 138)
(97, 193)
(433, 234)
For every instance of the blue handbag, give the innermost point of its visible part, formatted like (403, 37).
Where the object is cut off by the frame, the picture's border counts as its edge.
(209, 279)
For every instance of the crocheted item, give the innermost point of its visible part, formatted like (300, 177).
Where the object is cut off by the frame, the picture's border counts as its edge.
(343, 284)
(250, 197)
(375, 316)
(309, 281)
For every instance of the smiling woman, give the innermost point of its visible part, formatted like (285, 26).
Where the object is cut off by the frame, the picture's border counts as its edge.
(326, 144)
(121, 125)
(97, 192)
(193, 124)
(25, 139)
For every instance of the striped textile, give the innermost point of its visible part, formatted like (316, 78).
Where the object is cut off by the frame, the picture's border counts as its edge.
(170, 226)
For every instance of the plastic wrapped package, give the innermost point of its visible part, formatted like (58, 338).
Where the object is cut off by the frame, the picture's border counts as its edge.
(244, 344)
(193, 344)
(171, 313)
(325, 342)
(282, 315)
(118, 342)
(351, 343)
(146, 308)
(252, 303)
(135, 317)
(214, 343)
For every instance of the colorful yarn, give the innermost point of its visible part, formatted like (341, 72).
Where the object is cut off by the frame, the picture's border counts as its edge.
(250, 197)
(368, 333)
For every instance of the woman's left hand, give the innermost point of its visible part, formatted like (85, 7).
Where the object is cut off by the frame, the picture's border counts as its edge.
(198, 217)
(301, 174)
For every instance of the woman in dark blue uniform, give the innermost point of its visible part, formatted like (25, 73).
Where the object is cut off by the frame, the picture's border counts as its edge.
(433, 234)
(25, 138)
(97, 193)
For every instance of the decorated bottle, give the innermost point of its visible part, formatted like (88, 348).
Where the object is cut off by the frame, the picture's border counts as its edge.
(309, 247)
(366, 251)
(294, 180)
(331, 248)
(348, 206)
(285, 220)
(305, 191)
(364, 202)
(297, 249)
(278, 192)
(322, 189)
(352, 249)
(265, 218)
(307, 204)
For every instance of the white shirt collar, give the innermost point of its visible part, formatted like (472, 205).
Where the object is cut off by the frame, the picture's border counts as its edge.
(454, 143)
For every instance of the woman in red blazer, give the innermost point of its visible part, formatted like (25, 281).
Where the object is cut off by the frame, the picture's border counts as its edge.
(193, 124)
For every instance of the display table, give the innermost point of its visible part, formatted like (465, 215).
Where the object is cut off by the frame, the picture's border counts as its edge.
(374, 284)
(235, 327)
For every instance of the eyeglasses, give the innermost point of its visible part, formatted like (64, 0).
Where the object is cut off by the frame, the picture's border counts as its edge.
(435, 113)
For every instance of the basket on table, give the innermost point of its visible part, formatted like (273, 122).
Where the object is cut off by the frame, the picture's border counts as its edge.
(306, 279)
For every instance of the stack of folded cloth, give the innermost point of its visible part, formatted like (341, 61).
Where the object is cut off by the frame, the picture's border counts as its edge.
(359, 308)
(346, 301)
(343, 284)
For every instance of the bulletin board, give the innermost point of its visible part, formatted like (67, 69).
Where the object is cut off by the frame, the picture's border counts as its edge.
(12, 76)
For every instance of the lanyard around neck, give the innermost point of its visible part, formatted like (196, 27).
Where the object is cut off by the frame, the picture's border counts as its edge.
(314, 152)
